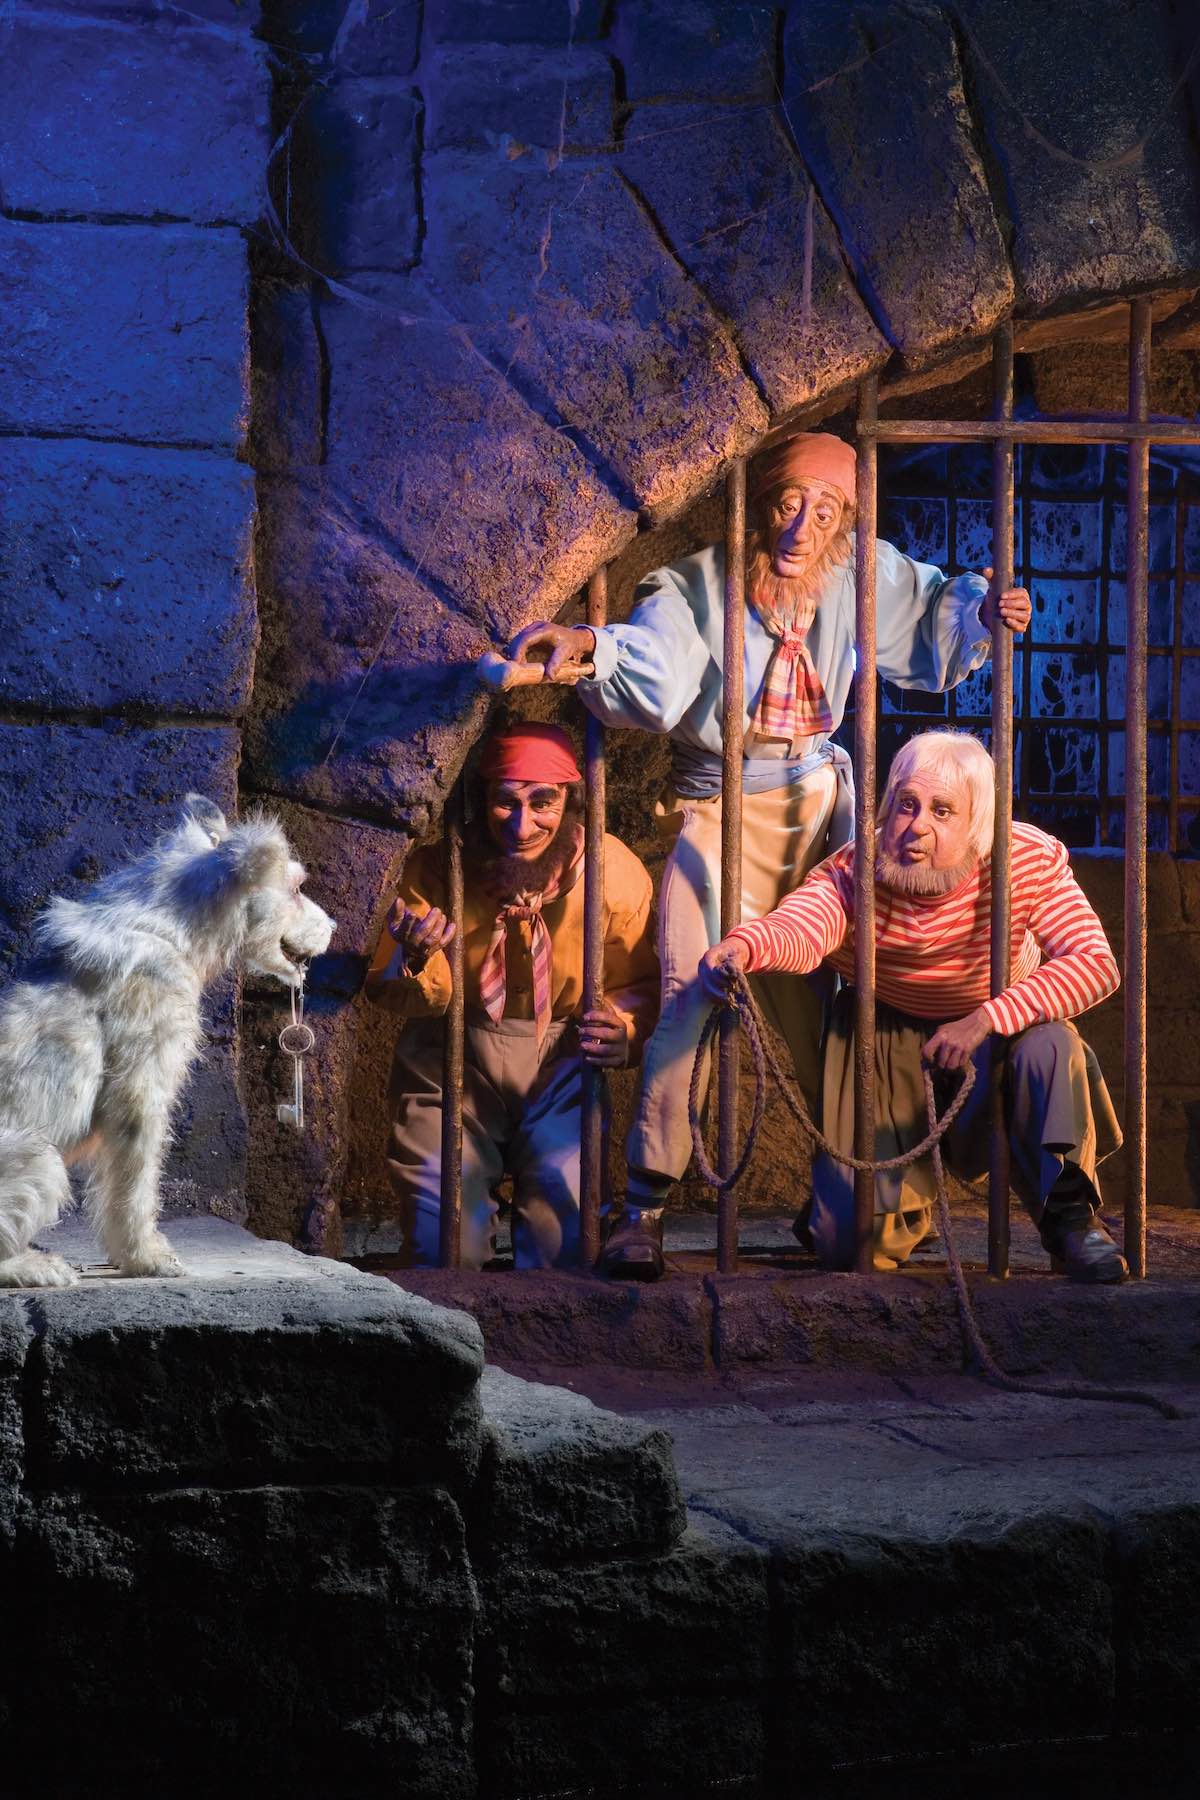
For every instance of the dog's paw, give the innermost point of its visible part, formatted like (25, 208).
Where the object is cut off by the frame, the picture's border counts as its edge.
(37, 1268)
(154, 1257)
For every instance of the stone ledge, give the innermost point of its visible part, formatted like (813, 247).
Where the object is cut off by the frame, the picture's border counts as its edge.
(253, 1633)
(261, 1365)
(563, 1482)
(781, 1312)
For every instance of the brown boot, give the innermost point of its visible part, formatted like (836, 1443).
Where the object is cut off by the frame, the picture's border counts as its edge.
(633, 1248)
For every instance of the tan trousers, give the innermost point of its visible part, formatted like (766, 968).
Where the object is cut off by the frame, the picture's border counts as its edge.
(783, 836)
(521, 1115)
(1057, 1106)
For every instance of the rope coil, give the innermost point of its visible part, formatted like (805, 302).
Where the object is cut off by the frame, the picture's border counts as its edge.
(745, 1008)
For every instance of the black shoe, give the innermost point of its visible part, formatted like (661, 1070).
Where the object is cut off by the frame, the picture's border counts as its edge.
(1087, 1254)
(633, 1249)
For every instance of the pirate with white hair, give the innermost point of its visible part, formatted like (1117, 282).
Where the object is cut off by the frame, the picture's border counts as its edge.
(663, 672)
(934, 1006)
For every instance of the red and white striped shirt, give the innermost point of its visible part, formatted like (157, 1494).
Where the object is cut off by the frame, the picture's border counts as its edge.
(932, 953)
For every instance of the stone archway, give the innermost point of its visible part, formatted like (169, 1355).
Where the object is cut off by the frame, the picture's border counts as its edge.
(637, 244)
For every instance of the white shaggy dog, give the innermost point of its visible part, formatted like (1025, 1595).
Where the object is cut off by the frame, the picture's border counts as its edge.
(95, 1042)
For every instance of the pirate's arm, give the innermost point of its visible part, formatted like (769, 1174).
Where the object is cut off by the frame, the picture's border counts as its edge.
(409, 973)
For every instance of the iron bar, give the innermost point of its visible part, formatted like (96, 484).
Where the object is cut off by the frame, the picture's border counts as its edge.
(450, 1216)
(866, 501)
(1032, 431)
(1002, 754)
(733, 726)
(1176, 674)
(591, 1137)
(1137, 558)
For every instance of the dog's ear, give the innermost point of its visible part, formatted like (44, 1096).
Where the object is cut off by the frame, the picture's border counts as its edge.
(207, 814)
(256, 854)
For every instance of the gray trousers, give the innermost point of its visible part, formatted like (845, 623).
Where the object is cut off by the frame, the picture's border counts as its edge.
(1056, 1104)
(521, 1118)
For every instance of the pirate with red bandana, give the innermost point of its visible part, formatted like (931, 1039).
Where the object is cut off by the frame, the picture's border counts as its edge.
(526, 1038)
(662, 672)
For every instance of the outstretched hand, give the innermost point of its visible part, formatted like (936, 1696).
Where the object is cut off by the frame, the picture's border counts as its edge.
(418, 935)
(1013, 605)
(719, 965)
(952, 1046)
(565, 646)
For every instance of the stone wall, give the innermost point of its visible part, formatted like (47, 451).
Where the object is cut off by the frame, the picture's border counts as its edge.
(132, 148)
(468, 297)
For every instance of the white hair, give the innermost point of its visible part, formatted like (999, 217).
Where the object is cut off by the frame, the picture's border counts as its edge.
(958, 759)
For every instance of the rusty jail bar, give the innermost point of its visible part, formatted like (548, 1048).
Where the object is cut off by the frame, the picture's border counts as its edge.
(591, 1125)
(733, 727)
(1137, 432)
(450, 1215)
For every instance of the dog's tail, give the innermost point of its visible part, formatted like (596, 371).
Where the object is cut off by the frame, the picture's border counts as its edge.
(34, 1188)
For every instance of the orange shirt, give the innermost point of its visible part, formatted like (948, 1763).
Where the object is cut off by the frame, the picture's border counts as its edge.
(631, 975)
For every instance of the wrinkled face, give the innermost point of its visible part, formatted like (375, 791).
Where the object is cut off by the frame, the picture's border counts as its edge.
(929, 823)
(523, 816)
(284, 923)
(802, 520)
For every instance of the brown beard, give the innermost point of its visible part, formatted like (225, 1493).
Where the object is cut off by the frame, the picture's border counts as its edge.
(507, 878)
(780, 597)
(917, 879)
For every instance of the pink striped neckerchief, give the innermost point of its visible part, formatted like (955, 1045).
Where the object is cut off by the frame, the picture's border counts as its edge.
(792, 703)
(493, 981)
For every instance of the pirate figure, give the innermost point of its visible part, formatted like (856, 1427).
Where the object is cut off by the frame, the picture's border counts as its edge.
(932, 938)
(525, 1039)
(662, 672)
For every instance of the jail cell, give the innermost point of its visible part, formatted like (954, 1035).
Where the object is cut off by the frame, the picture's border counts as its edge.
(1003, 432)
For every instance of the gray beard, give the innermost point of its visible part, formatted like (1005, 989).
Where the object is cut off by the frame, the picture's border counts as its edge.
(918, 878)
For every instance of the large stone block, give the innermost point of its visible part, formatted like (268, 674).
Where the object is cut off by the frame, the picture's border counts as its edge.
(242, 14)
(175, 1382)
(540, 1318)
(126, 578)
(320, 1636)
(151, 118)
(357, 158)
(564, 1482)
(14, 1346)
(676, 1648)
(874, 97)
(286, 422)
(564, 282)
(695, 1737)
(365, 694)
(709, 48)
(80, 802)
(132, 331)
(1102, 193)
(999, 1605)
(734, 203)
(485, 499)
(514, 21)
(476, 96)
(1158, 1612)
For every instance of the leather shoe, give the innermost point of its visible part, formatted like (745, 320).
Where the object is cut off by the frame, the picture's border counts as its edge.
(1088, 1254)
(633, 1249)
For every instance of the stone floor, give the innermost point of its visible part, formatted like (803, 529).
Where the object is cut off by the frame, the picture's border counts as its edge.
(863, 1520)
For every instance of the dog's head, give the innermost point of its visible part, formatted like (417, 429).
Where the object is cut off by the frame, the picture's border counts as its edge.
(249, 871)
